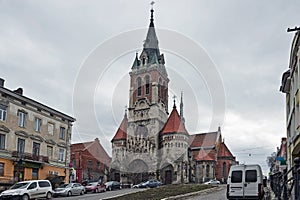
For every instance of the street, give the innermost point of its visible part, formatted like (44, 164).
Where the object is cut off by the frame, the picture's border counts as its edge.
(216, 194)
(97, 196)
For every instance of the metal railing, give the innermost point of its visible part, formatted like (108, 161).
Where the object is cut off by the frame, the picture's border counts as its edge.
(30, 156)
(286, 184)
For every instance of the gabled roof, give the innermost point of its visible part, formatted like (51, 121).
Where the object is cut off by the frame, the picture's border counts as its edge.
(94, 148)
(121, 133)
(224, 151)
(174, 124)
(204, 155)
(204, 139)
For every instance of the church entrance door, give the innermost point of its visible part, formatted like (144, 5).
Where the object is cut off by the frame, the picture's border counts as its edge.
(138, 171)
(168, 177)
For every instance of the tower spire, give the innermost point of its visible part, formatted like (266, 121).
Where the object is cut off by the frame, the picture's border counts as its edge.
(181, 109)
(151, 19)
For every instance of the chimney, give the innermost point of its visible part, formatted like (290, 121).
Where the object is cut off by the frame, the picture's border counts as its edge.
(2, 82)
(19, 91)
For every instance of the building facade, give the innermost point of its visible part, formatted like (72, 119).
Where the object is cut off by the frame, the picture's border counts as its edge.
(150, 143)
(34, 139)
(89, 161)
(290, 86)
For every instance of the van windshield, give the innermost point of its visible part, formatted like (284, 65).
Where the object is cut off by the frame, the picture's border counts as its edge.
(251, 175)
(19, 185)
(236, 176)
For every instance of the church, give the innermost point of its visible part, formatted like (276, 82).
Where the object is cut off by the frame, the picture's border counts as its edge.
(152, 143)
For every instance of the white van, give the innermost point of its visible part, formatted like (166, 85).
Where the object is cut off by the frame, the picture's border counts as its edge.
(26, 190)
(245, 182)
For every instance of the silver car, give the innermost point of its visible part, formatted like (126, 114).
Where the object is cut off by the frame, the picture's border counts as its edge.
(69, 189)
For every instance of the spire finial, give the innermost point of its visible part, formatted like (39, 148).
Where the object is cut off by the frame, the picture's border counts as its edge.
(125, 110)
(181, 108)
(151, 19)
(174, 100)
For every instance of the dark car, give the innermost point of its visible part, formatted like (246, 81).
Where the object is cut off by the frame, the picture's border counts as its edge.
(112, 185)
(150, 184)
(95, 187)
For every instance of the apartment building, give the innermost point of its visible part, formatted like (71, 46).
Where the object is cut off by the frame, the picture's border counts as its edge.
(290, 86)
(34, 139)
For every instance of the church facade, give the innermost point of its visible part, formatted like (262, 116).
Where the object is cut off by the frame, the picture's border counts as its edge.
(152, 143)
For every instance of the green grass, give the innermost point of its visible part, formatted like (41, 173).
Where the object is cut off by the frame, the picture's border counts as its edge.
(163, 192)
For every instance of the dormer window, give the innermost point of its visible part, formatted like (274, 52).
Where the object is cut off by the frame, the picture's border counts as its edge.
(144, 60)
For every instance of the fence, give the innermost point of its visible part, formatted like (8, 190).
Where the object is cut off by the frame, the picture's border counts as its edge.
(286, 184)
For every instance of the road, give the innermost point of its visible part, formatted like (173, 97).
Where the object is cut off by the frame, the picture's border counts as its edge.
(97, 196)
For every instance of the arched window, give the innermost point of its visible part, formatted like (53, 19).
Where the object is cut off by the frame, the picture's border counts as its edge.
(139, 86)
(147, 78)
(144, 60)
(159, 87)
(163, 95)
(207, 170)
(224, 169)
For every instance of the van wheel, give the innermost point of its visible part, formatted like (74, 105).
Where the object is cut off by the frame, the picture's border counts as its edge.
(25, 197)
(49, 195)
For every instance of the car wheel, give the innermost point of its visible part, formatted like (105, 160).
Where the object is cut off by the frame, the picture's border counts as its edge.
(69, 193)
(25, 197)
(82, 192)
(96, 190)
(110, 188)
(49, 195)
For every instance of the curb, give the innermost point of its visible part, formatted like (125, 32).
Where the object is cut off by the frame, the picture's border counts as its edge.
(214, 188)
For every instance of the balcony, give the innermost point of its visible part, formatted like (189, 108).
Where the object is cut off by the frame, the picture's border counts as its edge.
(29, 156)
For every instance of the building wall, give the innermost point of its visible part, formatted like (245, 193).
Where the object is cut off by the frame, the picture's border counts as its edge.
(14, 161)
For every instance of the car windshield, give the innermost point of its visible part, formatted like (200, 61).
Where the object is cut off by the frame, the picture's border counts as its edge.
(65, 186)
(92, 184)
(19, 185)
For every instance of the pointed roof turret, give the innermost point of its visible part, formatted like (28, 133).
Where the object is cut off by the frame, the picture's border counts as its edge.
(121, 133)
(174, 124)
(136, 61)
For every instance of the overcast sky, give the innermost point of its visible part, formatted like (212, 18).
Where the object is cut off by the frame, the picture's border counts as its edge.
(46, 46)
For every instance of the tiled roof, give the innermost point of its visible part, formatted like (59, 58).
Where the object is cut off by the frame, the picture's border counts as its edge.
(121, 133)
(224, 151)
(203, 139)
(174, 124)
(94, 148)
(204, 155)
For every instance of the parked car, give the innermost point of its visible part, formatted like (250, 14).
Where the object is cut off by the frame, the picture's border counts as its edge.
(69, 189)
(111, 185)
(150, 184)
(26, 190)
(95, 187)
(137, 185)
(212, 182)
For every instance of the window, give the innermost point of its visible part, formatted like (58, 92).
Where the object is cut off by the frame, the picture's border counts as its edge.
(37, 124)
(32, 186)
(35, 149)
(22, 119)
(74, 163)
(98, 165)
(50, 151)
(35, 173)
(139, 84)
(2, 141)
(236, 176)
(50, 128)
(224, 169)
(1, 169)
(251, 175)
(44, 184)
(89, 164)
(2, 112)
(62, 133)
(147, 84)
(21, 145)
(159, 87)
(61, 154)
(207, 170)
